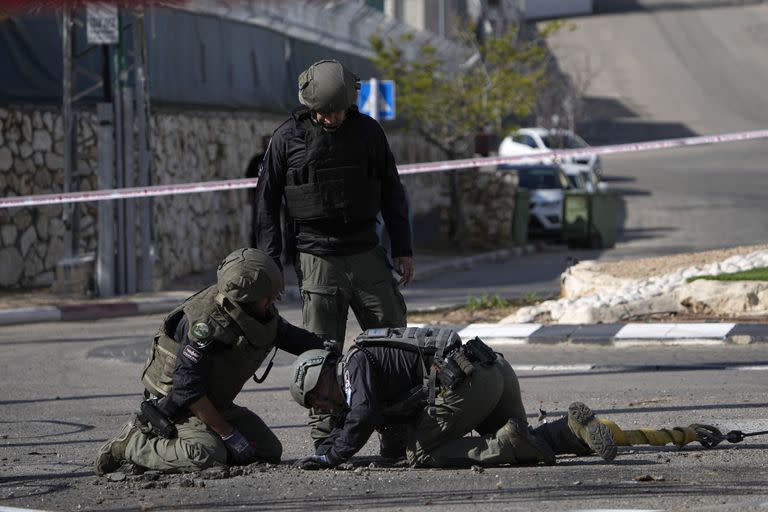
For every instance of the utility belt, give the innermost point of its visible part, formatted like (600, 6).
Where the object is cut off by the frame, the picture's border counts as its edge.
(459, 363)
(447, 371)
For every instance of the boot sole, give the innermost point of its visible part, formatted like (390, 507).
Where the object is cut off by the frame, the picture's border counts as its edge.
(598, 436)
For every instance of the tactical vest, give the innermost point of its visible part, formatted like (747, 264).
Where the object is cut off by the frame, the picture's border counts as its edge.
(336, 179)
(234, 361)
(431, 343)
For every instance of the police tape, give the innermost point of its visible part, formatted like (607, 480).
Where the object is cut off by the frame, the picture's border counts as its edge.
(448, 165)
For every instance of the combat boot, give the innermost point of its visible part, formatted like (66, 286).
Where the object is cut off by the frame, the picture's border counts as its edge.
(112, 454)
(579, 433)
(393, 440)
(526, 447)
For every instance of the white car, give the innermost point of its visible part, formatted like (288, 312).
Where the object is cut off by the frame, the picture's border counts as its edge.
(529, 140)
(546, 182)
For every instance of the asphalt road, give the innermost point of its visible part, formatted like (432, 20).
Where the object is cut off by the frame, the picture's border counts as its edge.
(67, 387)
(658, 69)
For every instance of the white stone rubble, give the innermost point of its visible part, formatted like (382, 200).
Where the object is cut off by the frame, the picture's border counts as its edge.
(591, 297)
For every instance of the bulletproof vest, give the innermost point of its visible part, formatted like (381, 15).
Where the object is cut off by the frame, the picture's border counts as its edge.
(335, 180)
(427, 341)
(432, 343)
(235, 356)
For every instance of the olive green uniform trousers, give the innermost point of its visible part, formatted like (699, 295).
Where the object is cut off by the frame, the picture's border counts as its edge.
(483, 402)
(331, 285)
(198, 447)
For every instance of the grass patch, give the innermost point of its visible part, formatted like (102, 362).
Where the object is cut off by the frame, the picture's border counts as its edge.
(495, 301)
(755, 274)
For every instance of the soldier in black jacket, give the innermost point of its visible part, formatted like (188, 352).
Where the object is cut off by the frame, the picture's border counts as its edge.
(442, 390)
(336, 172)
(334, 167)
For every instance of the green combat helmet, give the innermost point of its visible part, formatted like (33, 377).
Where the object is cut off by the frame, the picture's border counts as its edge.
(305, 373)
(247, 275)
(327, 86)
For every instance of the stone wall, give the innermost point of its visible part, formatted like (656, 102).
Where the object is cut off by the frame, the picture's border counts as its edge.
(193, 231)
(487, 203)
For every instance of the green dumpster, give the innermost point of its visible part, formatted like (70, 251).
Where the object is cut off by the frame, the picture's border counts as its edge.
(520, 216)
(590, 220)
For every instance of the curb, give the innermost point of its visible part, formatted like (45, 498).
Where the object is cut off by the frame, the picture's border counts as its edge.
(151, 305)
(616, 335)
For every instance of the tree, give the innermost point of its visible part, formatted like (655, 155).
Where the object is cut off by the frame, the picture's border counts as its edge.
(447, 103)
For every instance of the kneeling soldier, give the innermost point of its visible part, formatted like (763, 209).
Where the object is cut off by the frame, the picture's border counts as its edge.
(442, 390)
(202, 356)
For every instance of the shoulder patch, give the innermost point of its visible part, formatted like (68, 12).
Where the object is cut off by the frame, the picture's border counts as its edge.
(201, 333)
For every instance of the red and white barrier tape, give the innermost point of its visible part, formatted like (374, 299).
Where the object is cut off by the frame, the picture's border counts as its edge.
(448, 165)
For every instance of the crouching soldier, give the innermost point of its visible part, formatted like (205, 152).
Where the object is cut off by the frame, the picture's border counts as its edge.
(203, 354)
(442, 390)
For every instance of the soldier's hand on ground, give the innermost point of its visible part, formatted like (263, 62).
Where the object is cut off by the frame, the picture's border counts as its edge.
(404, 268)
(314, 462)
(239, 448)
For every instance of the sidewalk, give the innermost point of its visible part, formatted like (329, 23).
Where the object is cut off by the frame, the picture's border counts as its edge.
(44, 306)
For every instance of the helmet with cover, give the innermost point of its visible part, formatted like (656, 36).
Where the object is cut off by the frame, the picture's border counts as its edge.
(327, 86)
(248, 275)
(306, 371)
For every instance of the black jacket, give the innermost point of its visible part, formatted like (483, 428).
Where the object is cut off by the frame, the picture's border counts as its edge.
(370, 385)
(330, 238)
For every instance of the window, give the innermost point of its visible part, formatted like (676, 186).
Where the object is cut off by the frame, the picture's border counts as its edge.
(524, 139)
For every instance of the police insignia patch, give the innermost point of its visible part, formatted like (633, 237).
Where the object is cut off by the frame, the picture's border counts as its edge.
(201, 330)
(191, 354)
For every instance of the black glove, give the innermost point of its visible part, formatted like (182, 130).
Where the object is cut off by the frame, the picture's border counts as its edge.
(333, 346)
(239, 448)
(315, 462)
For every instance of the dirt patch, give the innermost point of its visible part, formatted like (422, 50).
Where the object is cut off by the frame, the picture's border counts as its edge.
(646, 267)
(461, 316)
(470, 315)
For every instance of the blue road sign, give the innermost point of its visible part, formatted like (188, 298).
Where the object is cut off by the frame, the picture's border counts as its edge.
(386, 97)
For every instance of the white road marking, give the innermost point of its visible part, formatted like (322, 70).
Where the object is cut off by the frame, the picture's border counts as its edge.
(505, 331)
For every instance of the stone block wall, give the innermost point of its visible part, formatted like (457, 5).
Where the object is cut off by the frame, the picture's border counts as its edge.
(32, 162)
(487, 205)
(192, 231)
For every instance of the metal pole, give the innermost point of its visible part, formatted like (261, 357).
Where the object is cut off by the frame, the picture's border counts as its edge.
(68, 125)
(375, 98)
(142, 121)
(120, 283)
(105, 256)
(129, 181)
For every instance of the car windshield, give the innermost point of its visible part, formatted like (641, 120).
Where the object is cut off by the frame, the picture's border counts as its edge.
(541, 177)
(563, 141)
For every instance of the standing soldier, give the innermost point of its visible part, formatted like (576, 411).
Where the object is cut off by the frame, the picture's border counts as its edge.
(203, 354)
(336, 171)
